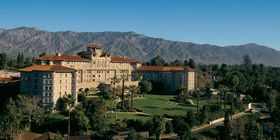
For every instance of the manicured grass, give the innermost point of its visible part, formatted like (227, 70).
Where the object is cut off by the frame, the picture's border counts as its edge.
(130, 115)
(161, 104)
(127, 115)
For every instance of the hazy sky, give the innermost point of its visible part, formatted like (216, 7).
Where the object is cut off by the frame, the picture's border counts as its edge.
(220, 22)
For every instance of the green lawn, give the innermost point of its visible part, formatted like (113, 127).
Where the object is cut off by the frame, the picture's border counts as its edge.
(161, 104)
(130, 115)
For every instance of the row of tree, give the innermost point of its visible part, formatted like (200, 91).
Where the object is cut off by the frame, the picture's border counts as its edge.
(13, 64)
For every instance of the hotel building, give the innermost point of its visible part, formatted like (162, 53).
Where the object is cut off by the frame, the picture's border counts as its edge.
(57, 75)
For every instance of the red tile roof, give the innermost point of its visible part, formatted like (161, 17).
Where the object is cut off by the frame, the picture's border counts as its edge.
(62, 58)
(164, 68)
(118, 59)
(56, 68)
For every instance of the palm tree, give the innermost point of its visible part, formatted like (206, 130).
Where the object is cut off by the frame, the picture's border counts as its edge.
(133, 90)
(115, 80)
(123, 77)
(70, 101)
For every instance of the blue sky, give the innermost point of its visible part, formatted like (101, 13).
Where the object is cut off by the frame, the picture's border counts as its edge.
(220, 22)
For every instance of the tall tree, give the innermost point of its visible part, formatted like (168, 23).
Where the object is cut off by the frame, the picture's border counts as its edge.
(3, 60)
(133, 90)
(197, 93)
(115, 80)
(157, 61)
(95, 112)
(158, 126)
(192, 63)
(181, 127)
(11, 119)
(70, 101)
(223, 91)
(246, 62)
(20, 60)
(80, 122)
(227, 126)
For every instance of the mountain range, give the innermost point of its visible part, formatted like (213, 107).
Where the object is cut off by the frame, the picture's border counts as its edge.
(33, 41)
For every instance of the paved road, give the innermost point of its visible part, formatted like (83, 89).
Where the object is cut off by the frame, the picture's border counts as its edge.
(202, 128)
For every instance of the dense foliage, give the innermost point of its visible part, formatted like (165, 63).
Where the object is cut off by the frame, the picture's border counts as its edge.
(13, 64)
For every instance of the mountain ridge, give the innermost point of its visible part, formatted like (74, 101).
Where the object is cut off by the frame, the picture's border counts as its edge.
(33, 41)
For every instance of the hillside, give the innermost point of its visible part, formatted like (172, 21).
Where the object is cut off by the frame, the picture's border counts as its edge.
(33, 41)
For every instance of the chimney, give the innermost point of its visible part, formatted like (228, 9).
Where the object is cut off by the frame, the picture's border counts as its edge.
(58, 54)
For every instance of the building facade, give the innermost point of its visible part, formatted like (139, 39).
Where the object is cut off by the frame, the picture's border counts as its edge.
(173, 78)
(57, 75)
(48, 82)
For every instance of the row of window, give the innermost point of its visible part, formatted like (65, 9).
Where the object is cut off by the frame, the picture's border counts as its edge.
(78, 62)
(47, 94)
(49, 75)
(48, 81)
(48, 88)
(47, 100)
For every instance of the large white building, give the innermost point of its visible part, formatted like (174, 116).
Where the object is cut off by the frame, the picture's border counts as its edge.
(58, 75)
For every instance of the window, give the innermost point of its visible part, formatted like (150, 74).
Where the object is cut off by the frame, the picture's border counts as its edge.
(50, 100)
(45, 101)
(50, 88)
(60, 93)
(46, 88)
(65, 92)
(66, 75)
(60, 82)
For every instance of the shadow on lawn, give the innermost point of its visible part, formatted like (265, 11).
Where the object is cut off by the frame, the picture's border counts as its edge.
(152, 107)
(188, 105)
(177, 108)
